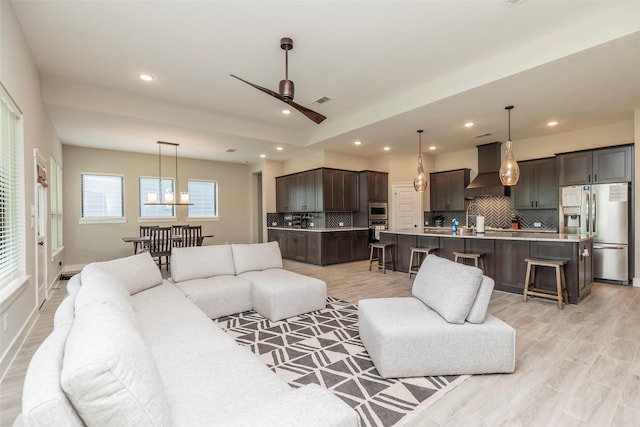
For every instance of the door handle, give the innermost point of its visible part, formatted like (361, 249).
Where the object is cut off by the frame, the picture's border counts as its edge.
(595, 207)
(40, 243)
(609, 247)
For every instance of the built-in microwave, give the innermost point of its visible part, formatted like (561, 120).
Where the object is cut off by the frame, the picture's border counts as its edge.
(377, 211)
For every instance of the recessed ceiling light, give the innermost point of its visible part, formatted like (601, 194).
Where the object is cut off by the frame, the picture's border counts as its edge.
(263, 155)
(469, 124)
(387, 148)
(433, 147)
(279, 148)
(358, 142)
(285, 112)
(145, 77)
(552, 123)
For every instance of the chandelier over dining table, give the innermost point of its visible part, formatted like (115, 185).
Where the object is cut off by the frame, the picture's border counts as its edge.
(167, 198)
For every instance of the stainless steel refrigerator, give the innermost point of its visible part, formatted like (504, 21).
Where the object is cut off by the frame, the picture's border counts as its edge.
(601, 211)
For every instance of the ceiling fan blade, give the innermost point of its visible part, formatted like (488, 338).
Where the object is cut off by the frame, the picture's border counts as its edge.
(314, 116)
(263, 89)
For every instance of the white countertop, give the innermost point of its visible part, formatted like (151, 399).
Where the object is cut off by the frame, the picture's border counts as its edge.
(319, 229)
(496, 235)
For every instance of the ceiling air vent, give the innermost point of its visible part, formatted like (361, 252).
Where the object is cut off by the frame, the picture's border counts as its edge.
(231, 150)
(482, 135)
(321, 101)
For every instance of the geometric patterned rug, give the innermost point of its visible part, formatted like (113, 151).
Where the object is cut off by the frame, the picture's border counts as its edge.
(324, 347)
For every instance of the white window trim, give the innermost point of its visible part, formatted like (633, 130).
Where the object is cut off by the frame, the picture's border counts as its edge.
(12, 291)
(106, 219)
(206, 218)
(158, 219)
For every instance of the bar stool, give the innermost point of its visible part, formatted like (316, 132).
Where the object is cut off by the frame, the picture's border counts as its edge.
(420, 252)
(559, 294)
(381, 255)
(477, 259)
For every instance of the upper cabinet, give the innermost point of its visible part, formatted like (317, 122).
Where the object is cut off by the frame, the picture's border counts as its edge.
(317, 190)
(596, 166)
(537, 187)
(374, 186)
(447, 189)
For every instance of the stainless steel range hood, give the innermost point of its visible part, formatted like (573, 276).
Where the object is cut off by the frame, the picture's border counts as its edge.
(487, 183)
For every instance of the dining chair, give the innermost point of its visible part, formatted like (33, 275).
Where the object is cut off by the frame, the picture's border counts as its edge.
(160, 244)
(144, 247)
(192, 235)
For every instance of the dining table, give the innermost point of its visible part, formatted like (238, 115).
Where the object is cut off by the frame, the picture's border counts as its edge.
(141, 240)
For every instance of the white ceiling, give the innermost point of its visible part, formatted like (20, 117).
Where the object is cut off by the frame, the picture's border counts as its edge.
(389, 67)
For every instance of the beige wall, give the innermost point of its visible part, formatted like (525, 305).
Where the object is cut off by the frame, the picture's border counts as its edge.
(269, 169)
(636, 199)
(86, 243)
(20, 78)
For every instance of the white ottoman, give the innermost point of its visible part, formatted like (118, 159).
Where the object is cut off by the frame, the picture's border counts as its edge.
(278, 294)
(405, 338)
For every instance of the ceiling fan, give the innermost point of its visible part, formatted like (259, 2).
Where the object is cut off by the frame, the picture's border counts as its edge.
(285, 92)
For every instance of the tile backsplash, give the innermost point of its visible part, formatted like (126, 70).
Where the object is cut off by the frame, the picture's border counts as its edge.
(498, 213)
(319, 219)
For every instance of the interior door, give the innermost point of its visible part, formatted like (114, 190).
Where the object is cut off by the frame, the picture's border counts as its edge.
(407, 207)
(40, 215)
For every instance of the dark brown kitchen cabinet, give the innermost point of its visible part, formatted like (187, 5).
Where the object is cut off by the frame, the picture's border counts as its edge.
(296, 245)
(510, 268)
(321, 248)
(340, 190)
(537, 187)
(282, 194)
(486, 247)
(449, 245)
(313, 248)
(377, 186)
(596, 166)
(447, 189)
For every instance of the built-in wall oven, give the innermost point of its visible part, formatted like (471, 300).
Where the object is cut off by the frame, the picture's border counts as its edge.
(377, 220)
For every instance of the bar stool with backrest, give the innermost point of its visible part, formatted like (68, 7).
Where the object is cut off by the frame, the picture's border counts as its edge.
(421, 254)
(478, 259)
(378, 252)
(530, 289)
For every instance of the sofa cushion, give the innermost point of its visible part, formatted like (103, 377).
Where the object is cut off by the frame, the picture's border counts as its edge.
(200, 262)
(480, 305)
(218, 296)
(447, 287)
(43, 401)
(256, 256)
(73, 285)
(108, 372)
(99, 287)
(65, 312)
(136, 272)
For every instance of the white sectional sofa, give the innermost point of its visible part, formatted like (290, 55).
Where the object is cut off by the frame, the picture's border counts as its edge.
(228, 279)
(444, 329)
(129, 349)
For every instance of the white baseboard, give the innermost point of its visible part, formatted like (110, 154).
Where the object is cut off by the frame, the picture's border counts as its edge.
(636, 282)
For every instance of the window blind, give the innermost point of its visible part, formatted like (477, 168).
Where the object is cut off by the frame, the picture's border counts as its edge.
(204, 196)
(150, 185)
(102, 196)
(12, 250)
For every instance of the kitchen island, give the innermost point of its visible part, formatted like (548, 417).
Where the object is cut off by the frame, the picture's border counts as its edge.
(504, 254)
(321, 246)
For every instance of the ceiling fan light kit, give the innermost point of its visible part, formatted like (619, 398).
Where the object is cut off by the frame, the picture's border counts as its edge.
(509, 169)
(286, 88)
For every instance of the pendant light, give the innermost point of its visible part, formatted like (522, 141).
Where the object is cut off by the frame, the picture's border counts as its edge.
(420, 181)
(509, 170)
(167, 199)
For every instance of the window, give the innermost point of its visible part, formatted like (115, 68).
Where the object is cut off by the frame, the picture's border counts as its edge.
(55, 194)
(102, 197)
(12, 218)
(204, 196)
(150, 185)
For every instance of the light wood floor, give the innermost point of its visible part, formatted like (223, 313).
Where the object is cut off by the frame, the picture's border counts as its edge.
(575, 367)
